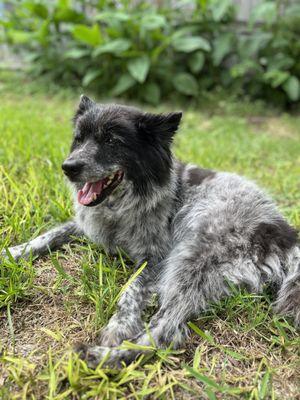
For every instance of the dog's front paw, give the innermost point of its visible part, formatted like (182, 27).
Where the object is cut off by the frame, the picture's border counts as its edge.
(117, 331)
(93, 355)
(108, 357)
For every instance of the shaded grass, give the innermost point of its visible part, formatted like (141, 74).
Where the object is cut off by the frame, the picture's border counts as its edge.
(237, 350)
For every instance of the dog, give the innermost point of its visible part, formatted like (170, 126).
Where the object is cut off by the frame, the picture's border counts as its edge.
(200, 231)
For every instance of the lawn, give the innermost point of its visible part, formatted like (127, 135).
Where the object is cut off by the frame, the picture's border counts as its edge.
(240, 349)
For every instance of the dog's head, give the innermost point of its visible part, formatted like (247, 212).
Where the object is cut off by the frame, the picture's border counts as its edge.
(114, 144)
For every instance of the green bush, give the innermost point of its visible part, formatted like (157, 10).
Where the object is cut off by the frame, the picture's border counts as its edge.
(269, 58)
(148, 52)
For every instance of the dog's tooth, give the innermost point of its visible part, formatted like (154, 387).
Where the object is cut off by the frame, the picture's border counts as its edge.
(109, 181)
(94, 196)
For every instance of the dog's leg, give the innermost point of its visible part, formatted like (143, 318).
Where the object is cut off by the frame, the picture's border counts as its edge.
(127, 322)
(50, 240)
(189, 284)
(288, 297)
(165, 328)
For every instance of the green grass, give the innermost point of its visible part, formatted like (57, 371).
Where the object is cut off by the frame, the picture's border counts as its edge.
(237, 350)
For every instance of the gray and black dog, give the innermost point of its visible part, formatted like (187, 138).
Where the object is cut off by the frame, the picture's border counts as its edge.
(200, 231)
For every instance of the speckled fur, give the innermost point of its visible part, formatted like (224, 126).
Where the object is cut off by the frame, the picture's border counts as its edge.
(198, 230)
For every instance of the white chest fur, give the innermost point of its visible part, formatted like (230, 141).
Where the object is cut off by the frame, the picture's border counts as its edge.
(139, 228)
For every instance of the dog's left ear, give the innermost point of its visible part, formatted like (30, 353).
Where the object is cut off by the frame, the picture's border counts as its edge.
(161, 126)
(85, 104)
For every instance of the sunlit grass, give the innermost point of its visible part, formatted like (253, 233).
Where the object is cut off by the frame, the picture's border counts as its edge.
(237, 350)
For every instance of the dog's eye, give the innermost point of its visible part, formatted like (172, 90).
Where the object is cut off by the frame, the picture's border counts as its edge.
(108, 138)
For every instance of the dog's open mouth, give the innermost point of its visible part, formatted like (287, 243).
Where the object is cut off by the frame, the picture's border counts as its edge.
(94, 193)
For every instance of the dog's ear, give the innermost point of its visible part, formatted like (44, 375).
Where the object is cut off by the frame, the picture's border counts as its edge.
(160, 126)
(85, 104)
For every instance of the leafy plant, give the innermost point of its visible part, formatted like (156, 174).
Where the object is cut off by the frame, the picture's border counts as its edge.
(269, 58)
(150, 52)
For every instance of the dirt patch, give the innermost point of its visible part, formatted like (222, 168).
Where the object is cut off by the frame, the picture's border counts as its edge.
(51, 317)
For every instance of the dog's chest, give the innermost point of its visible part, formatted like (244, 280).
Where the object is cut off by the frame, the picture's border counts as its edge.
(136, 231)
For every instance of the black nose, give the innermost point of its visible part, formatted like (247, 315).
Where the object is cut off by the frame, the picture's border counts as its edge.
(72, 168)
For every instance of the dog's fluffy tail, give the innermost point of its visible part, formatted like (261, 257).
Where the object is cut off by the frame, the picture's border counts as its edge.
(288, 300)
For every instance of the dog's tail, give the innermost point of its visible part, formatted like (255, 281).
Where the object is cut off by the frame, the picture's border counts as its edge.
(288, 300)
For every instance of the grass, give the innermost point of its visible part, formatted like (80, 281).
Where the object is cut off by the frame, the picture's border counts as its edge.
(237, 350)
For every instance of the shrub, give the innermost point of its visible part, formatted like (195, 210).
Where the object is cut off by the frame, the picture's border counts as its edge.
(150, 52)
(269, 58)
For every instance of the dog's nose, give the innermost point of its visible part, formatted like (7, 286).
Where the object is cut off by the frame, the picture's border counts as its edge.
(72, 167)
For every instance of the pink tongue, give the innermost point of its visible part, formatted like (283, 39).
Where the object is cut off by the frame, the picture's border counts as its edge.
(89, 192)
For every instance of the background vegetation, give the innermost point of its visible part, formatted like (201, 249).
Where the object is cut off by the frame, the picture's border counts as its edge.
(140, 50)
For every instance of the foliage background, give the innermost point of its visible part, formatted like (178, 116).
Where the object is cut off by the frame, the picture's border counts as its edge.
(151, 50)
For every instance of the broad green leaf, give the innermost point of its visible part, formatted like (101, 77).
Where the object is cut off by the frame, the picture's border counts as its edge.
(264, 12)
(86, 34)
(139, 68)
(275, 77)
(37, 9)
(185, 31)
(153, 21)
(90, 76)
(191, 43)
(67, 15)
(196, 61)
(292, 88)
(151, 93)
(109, 16)
(251, 45)
(185, 83)
(222, 46)
(20, 37)
(220, 8)
(43, 34)
(124, 83)
(76, 53)
(280, 61)
(63, 3)
(239, 70)
(116, 46)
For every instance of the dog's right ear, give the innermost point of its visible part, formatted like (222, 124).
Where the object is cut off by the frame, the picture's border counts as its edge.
(85, 104)
(161, 127)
